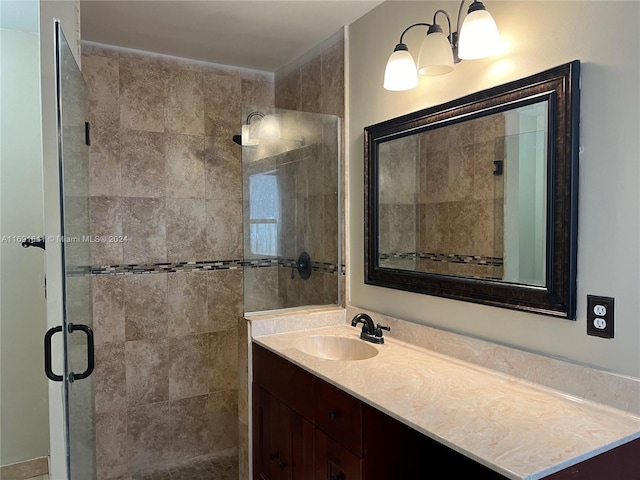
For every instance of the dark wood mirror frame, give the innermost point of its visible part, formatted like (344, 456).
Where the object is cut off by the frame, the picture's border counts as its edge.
(560, 86)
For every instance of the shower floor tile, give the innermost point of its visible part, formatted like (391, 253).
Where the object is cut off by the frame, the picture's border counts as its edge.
(219, 468)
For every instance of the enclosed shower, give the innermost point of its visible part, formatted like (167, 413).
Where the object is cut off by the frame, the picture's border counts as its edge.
(175, 233)
(291, 209)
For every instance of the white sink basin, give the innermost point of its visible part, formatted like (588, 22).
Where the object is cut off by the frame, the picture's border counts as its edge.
(336, 348)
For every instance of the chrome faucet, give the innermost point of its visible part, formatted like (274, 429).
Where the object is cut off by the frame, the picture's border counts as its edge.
(370, 332)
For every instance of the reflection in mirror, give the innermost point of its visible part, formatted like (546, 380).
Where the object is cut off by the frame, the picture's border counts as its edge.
(468, 199)
(476, 199)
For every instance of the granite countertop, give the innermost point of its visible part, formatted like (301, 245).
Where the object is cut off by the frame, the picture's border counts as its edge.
(517, 428)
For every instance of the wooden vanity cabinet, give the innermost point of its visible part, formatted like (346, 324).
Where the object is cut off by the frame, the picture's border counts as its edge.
(307, 429)
(303, 428)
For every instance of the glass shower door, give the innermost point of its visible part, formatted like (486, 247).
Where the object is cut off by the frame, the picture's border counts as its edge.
(73, 157)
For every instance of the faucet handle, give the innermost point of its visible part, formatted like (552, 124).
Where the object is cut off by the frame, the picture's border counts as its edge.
(379, 329)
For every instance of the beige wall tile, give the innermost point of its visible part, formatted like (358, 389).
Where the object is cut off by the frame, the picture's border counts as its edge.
(98, 49)
(144, 225)
(105, 169)
(187, 303)
(330, 248)
(186, 229)
(224, 228)
(101, 75)
(288, 90)
(184, 102)
(147, 367)
(109, 377)
(224, 298)
(311, 78)
(435, 230)
(223, 417)
(145, 298)
(261, 291)
(257, 92)
(243, 371)
(460, 178)
(223, 168)
(191, 432)
(108, 309)
(143, 164)
(106, 219)
(332, 86)
(111, 444)
(223, 368)
(486, 185)
(185, 173)
(243, 450)
(222, 105)
(187, 356)
(149, 437)
(141, 93)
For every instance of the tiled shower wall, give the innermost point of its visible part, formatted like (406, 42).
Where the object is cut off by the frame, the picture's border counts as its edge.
(166, 178)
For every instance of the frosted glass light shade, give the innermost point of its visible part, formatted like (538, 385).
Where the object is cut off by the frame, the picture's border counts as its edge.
(436, 55)
(479, 37)
(401, 73)
(269, 128)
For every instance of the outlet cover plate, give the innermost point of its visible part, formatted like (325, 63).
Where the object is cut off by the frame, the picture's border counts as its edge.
(600, 316)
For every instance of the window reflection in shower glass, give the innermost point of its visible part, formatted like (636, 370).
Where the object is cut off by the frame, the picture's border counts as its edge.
(264, 212)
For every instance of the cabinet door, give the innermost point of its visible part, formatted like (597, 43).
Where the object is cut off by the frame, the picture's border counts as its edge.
(265, 453)
(300, 448)
(334, 462)
(283, 442)
(394, 450)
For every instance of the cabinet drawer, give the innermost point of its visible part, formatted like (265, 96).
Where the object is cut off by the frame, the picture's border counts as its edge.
(339, 415)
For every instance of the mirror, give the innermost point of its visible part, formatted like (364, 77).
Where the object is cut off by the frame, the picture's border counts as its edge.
(476, 199)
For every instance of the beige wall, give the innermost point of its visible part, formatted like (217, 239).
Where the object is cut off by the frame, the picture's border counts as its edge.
(536, 36)
(24, 420)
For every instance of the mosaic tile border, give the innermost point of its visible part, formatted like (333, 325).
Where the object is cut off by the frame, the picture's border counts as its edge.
(322, 267)
(446, 257)
(195, 266)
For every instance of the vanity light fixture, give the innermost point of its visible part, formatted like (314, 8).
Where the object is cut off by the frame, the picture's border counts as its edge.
(477, 38)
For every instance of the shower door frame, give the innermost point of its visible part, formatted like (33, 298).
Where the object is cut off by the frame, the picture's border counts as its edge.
(52, 14)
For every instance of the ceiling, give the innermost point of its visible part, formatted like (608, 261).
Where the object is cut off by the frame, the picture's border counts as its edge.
(263, 35)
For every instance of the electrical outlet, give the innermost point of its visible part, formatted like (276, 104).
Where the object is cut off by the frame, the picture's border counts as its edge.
(600, 316)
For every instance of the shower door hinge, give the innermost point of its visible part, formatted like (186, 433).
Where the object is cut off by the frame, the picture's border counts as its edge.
(87, 134)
